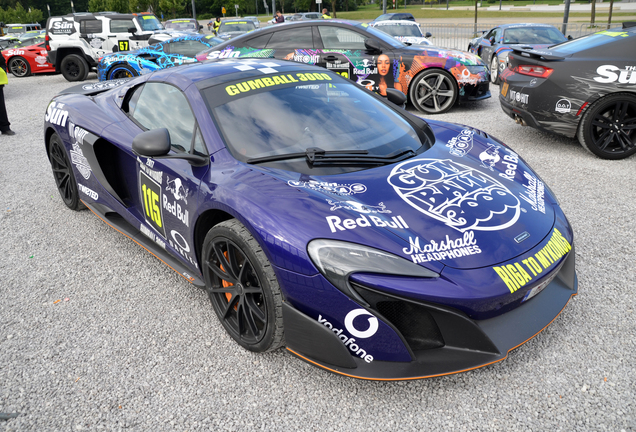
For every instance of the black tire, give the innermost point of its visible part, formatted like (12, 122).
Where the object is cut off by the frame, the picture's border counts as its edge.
(494, 69)
(433, 91)
(121, 71)
(19, 67)
(63, 174)
(74, 68)
(608, 127)
(247, 298)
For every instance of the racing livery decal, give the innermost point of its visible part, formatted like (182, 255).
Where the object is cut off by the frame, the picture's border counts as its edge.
(150, 193)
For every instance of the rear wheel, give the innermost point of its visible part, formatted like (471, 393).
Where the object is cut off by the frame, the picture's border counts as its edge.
(63, 174)
(243, 288)
(121, 71)
(74, 68)
(494, 70)
(19, 67)
(608, 127)
(433, 91)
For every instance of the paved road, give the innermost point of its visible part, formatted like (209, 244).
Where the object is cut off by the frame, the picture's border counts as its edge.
(136, 347)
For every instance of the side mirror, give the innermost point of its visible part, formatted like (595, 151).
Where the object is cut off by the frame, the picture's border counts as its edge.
(132, 30)
(373, 45)
(397, 97)
(428, 34)
(155, 142)
(570, 37)
(492, 40)
(200, 27)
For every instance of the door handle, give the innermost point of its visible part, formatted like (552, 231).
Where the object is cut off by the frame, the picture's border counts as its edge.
(331, 58)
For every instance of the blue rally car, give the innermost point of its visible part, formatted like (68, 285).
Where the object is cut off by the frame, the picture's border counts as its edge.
(319, 216)
(172, 52)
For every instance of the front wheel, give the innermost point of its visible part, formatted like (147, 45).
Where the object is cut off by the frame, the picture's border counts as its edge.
(121, 71)
(608, 127)
(74, 68)
(243, 288)
(63, 174)
(494, 70)
(19, 67)
(433, 91)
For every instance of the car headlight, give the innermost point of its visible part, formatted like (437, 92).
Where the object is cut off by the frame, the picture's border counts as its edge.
(475, 69)
(337, 260)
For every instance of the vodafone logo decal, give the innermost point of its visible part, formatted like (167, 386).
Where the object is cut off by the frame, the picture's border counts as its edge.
(362, 334)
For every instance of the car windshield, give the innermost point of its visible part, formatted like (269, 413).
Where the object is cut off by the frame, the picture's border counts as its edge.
(236, 26)
(533, 35)
(586, 42)
(400, 30)
(149, 23)
(182, 25)
(384, 17)
(383, 37)
(15, 30)
(311, 112)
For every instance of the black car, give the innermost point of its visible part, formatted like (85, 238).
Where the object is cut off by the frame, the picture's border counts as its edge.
(395, 16)
(584, 87)
(433, 78)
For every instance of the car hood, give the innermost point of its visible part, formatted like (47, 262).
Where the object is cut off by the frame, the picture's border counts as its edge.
(467, 202)
(414, 40)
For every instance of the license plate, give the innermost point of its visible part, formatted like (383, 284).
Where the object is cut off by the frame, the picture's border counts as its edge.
(504, 89)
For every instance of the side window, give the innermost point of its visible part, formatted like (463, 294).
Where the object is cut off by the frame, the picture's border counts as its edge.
(90, 26)
(199, 146)
(161, 105)
(490, 34)
(121, 26)
(188, 48)
(259, 41)
(340, 38)
(297, 38)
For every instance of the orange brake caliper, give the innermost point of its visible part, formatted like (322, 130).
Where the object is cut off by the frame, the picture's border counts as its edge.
(226, 284)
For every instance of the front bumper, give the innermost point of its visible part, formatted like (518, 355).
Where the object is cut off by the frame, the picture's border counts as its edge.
(471, 93)
(467, 344)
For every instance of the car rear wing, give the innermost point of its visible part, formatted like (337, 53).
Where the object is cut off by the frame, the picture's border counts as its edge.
(536, 54)
(90, 89)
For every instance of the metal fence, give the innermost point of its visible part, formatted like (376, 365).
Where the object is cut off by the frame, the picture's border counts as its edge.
(458, 36)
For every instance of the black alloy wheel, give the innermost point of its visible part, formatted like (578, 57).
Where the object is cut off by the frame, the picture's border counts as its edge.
(19, 67)
(63, 174)
(433, 91)
(242, 287)
(608, 127)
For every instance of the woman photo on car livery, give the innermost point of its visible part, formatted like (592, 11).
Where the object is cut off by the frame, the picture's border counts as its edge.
(386, 76)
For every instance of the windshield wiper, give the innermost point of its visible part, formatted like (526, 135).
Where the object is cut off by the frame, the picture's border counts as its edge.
(316, 156)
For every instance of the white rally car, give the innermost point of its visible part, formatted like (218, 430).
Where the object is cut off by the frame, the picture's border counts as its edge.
(405, 31)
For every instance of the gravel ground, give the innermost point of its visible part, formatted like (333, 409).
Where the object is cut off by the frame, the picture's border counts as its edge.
(136, 347)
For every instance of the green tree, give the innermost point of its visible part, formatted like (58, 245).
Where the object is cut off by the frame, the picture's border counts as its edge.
(172, 6)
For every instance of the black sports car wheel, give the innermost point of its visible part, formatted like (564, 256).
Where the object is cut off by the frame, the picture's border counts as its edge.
(243, 288)
(74, 68)
(494, 70)
(19, 67)
(63, 174)
(121, 71)
(608, 128)
(433, 91)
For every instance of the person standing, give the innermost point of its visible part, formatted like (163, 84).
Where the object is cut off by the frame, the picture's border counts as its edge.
(215, 25)
(279, 18)
(325, 14)
(5, 128)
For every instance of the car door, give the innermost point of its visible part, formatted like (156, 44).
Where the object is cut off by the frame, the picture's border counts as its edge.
(295, 44)
(344, 52)
(165, 197)
(118, 35)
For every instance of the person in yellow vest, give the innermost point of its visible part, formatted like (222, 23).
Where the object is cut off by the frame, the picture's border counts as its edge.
(215, 25)
(4, 119)
(325, 14)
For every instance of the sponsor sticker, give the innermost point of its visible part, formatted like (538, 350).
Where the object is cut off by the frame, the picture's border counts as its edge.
(519, 97)
(462, 143)
(563, 106)
(534, 193)
(611, 74)
(259, 83)
(332, 188)
(356, 328)
(445, 249)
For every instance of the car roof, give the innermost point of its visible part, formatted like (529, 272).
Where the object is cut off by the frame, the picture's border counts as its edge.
(180, 19)
(521, 25)
(393, 22)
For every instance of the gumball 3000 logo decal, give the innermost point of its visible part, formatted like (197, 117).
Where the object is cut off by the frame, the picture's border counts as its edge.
(461, 197)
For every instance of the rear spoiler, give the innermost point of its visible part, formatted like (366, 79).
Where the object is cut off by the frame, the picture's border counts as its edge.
(90, 89)
(537, 54)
